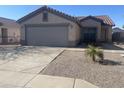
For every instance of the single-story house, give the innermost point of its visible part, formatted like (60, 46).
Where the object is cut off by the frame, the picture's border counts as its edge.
(49, 27)
(9, 31)
(118, 34)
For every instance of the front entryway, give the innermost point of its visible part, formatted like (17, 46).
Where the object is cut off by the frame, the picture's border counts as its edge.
(88, 34)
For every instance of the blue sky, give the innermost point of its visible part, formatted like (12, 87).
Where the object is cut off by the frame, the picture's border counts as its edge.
(115, 12)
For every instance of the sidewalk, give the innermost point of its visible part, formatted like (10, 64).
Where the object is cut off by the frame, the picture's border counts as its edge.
(18, 79)
(45, 81)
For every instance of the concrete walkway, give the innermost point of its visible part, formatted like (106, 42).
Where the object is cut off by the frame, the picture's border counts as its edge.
(105, 50)
(11, 79)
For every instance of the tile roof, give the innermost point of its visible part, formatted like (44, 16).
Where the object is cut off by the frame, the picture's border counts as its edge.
(106, 19)
(8, 22)
(116, 29)
(69, 17)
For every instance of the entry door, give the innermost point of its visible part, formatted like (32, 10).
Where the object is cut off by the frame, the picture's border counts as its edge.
(89, 35)
(4, 34)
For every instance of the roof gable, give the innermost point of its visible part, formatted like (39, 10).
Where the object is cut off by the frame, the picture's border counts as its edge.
(91, 17)
(45, 8)
(8, 22)
(106, 19)
(117, 29)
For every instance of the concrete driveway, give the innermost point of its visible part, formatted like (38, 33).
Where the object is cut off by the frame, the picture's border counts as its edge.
(20, 67)
(27, 59)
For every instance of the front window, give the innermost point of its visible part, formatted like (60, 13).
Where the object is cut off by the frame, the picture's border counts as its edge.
(1, 24)
(4, 32)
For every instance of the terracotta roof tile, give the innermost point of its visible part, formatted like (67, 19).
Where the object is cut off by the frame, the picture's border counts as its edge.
(69, 17)
(106, 19)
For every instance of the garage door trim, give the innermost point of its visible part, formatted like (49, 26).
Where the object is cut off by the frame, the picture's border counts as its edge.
(48, 24)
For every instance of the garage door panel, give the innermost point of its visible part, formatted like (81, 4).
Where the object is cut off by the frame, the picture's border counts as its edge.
(47, 35)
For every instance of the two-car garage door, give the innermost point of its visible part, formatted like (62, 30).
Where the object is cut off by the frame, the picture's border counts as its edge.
(47, 35)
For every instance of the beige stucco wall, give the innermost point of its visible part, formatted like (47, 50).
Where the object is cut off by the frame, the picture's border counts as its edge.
(122, 35)
(103, 32)
(93, 23)
(108, 36)
(13, 33)
(73, 34)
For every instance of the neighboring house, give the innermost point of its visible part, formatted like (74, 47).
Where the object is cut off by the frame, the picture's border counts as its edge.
(9, 31)
(118, 34)
(49, 27)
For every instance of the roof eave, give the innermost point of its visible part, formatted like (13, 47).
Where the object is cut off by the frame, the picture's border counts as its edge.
(68, 17)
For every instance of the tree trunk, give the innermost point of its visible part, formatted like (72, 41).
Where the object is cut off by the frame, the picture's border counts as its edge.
(93, 58)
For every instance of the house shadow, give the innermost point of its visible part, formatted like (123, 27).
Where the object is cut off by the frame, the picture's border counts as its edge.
(112, 46)
(24, 48)
(108, 46)
(110, 62)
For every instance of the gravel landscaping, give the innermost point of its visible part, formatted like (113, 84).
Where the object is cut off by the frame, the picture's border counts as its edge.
(74, 64)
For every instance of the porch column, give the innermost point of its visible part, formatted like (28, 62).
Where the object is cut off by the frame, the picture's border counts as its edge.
(109, 35)
(99, 34)
(22, 35)
(0, 36)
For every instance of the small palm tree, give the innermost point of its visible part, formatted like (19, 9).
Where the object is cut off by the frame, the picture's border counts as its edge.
(93, 51)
